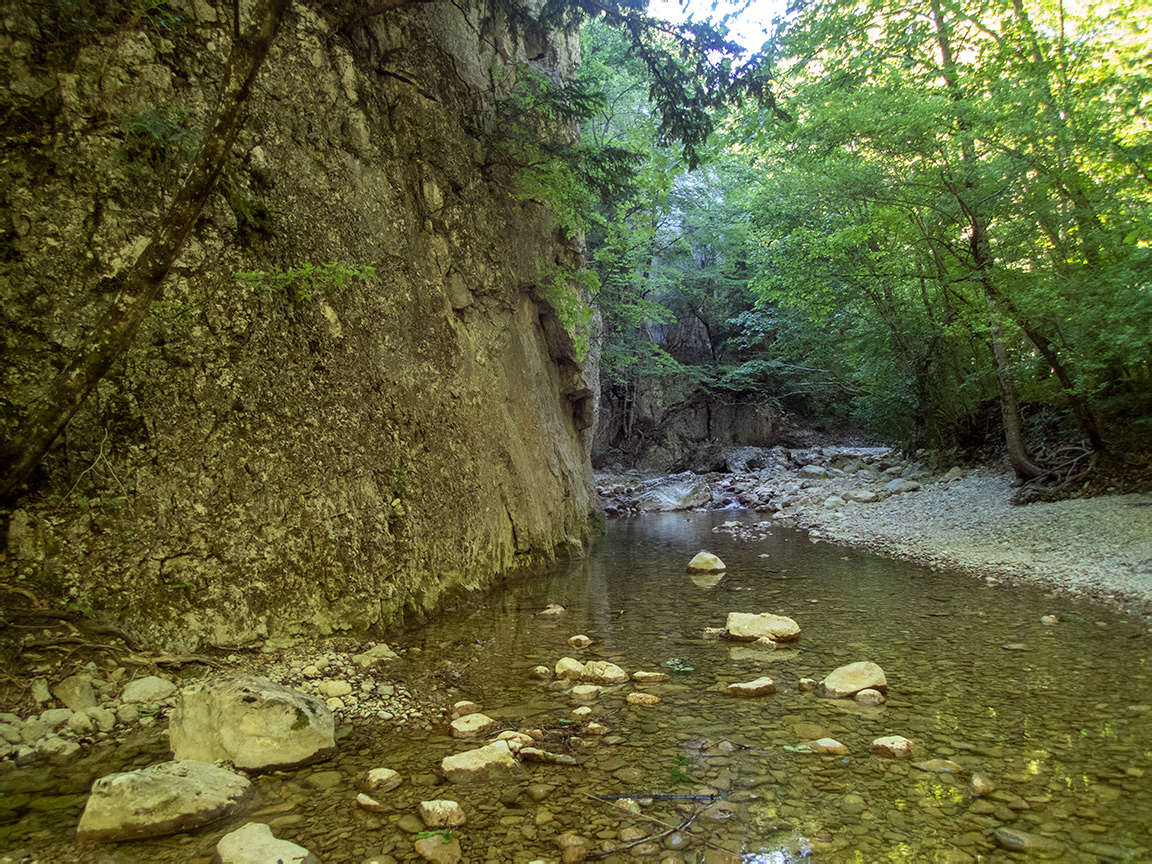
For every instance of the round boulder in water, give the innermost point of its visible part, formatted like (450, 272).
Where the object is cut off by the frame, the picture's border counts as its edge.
(847, 681)
(705, 562)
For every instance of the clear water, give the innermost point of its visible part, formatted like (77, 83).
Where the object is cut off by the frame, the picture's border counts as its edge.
(1063, 727)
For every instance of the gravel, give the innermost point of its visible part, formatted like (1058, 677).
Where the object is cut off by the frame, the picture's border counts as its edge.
(1097, 548)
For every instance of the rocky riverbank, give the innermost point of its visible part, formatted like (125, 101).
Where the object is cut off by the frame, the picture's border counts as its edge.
(964, 520)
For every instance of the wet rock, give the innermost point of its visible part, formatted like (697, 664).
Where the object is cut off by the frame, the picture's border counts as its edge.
(442, 813)
(603, 672)
(1049, 620)
(940, 766)
(472, 726)
(705, 562)
(160, 799)
(516, 740)
(539, 791)
(829, 747)
(649, 677)
(540, 673)
(579, 641)
(76, 692)
(490, 762)
(849, 680)
(334, 689)
(534, 754)
(870, 696)
(683, 495)
(54, 718)
(586, 692)
(252, 722)
(806, 685)
(572, 847)
(255, 844)
(367, 802)
(642, 699)
(375, 656)
(569, 669)
(892, 747)
(980, 786)
(748, 627)
(440, 849)
(380, 780)
(103, 718)
(552, 610)
(149, 689)
(763, 686)
(465, 707)
(1029, 844)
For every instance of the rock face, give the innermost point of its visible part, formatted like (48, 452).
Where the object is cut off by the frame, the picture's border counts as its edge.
(849, 680)
(324, 458)
(160, 799)
(255, 844)
(252, 722)
(748, 627)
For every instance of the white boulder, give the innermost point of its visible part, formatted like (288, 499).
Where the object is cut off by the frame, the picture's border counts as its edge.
(847, 681)
(160, 799)
(705, 562)
(893, 747)
(751, 689)
(569, 669)
(603, 672)
(490, 762)
(149, 689)
(748, 627)
(472, 726)
(442, 814)
(254, 723)
(255, 844)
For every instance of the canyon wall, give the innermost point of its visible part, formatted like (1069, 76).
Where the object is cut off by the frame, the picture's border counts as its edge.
(271, 459)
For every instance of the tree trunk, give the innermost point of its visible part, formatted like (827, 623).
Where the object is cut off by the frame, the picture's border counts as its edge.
(1018, 455)
(114, 332)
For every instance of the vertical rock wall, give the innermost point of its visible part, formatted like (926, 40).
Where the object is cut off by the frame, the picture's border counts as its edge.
(262, 464)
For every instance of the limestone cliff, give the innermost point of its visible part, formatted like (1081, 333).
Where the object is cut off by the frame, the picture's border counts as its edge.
(262, 463)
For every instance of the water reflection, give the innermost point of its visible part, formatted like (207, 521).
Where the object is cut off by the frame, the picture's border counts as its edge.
(1061, 723)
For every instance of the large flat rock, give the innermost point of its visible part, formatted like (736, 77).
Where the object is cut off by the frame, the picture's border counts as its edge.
(748, 627)
(160, 799)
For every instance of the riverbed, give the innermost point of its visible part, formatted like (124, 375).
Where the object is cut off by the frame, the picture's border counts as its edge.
(1057, 715)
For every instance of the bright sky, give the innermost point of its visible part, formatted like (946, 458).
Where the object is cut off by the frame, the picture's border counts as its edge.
(749, 29)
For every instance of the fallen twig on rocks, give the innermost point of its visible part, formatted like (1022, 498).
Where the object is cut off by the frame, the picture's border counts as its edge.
(647, 838)
(648, 796)
(710, 844)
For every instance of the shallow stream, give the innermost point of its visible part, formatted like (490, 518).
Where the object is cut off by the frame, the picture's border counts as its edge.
(1060, 721)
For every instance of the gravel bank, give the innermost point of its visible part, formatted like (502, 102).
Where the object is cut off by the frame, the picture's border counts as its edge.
(1099, 548)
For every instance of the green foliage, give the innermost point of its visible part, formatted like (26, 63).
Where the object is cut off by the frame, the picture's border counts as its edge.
(399, 494)
(678, 771)
(916, 136)
(308, 280)
(446, 835)
(156, 142)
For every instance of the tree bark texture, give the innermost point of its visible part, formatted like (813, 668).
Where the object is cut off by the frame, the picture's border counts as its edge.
(114, 332)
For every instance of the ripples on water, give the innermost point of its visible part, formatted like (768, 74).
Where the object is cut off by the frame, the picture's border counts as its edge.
(1063, 728)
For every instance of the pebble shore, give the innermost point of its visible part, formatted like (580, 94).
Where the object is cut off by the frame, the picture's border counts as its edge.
(1095, 548)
